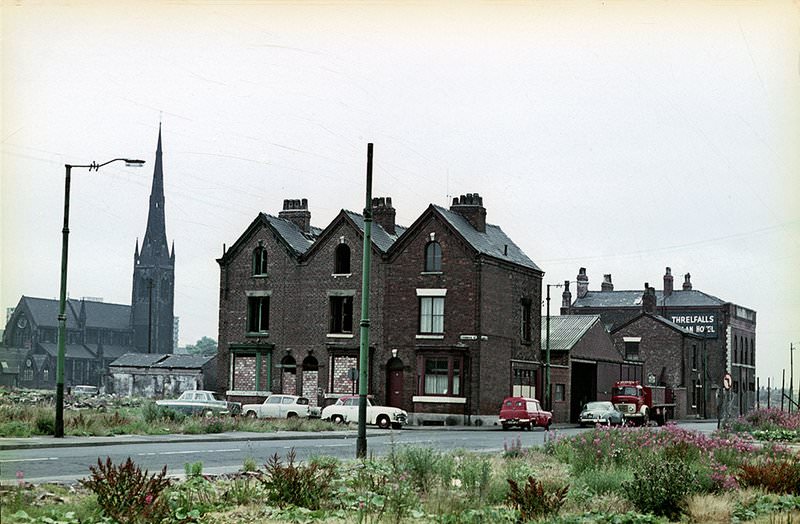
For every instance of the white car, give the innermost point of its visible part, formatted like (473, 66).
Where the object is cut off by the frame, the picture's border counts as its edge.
(199, 402)
(346, 410)
(278, 406)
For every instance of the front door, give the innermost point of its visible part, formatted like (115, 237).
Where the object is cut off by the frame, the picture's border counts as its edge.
(394, 383)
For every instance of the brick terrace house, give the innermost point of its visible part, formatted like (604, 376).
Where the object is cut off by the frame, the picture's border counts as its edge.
(453, 310)
(727, 335)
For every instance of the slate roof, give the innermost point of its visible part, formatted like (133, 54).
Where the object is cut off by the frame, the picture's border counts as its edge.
(291, 234)
(107, 316)
(680, 298)
(184, 361)
(657, 318)
(138, 359)
(566, 330)
(380, 237)
(70, 350)
(11, 359)
(494, 242)
(110, 352)
(44, 311)
(98, 314)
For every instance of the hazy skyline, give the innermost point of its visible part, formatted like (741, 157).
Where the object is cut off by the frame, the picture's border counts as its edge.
(623, 137)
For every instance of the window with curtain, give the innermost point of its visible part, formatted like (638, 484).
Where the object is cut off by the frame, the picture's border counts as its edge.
(431, 315)
(442, 376)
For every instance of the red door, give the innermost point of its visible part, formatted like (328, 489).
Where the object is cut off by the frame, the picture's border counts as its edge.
(394, 387)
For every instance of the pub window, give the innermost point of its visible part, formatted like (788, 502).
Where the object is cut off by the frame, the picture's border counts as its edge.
(257, 314)
(632, 349)
(341, 260)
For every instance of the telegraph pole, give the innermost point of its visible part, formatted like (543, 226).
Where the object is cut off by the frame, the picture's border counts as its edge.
(791, 376)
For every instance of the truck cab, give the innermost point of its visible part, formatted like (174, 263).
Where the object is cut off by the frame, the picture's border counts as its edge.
(640, 404)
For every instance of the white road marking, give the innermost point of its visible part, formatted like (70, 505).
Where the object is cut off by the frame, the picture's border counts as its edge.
(29, 460)
(188, 452)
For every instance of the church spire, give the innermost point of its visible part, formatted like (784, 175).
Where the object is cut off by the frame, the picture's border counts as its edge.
(154, 245)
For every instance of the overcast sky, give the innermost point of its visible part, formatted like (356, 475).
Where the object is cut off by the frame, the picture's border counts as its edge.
(623, 137)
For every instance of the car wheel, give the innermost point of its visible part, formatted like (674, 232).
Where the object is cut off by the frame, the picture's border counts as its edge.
(291, 415)
(251, 414)
(337, 419)
(547, 425)
(383, 422)
(505, 427)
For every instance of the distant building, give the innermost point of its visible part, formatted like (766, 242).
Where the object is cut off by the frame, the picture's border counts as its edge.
(159, 375)
(98, 332)
(725, 337)
(153, 295)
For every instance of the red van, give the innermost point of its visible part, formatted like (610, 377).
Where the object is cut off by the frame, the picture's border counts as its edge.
(525, 413)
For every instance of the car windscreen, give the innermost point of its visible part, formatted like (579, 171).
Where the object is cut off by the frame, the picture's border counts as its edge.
(302, 401)
(598, 405)
(218, 396)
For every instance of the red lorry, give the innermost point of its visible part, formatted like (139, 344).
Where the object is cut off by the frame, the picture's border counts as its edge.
(641, 404)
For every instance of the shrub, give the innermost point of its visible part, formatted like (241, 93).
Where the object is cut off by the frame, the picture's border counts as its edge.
(295, 484)
(424, 466)
(659, 486)
(533, 501)
(126, 494)
(45, 424)
(475, 475)
(15, 428)
(152, 412)
(605, 480)
(775, 476)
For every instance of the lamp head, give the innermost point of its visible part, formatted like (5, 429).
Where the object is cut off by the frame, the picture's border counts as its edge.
(133, 162)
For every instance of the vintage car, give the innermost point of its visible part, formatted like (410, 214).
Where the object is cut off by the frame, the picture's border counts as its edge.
(345, 409)
(278, 406)
(198, 402)
(525, 413)
(600, 412)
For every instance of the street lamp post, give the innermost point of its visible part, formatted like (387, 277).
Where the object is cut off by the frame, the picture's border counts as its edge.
(62, 303)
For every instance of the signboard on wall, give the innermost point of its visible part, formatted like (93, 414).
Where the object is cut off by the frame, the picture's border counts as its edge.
(703, 323)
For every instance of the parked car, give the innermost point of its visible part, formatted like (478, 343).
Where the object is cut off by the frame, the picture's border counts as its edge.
(84, 391)
(525, 413)
(278, 406)
(600, 412)
(199, 402)
(345, 409)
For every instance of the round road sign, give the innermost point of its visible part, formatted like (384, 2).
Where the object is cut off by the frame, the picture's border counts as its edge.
(727, 381)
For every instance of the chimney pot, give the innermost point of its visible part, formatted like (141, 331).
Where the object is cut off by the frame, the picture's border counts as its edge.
(384, 214)
(296, 211)
(687, 283)
(470, 206)
(668, 282)
(607, 285)
(583, 282)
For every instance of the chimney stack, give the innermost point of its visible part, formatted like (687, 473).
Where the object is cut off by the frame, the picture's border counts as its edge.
(668, 283)
(383, 213)
(296, 211)
(687, 283)
(566, 298)
(470, 206)
(649, 299)
(607, 285)
(583, 282)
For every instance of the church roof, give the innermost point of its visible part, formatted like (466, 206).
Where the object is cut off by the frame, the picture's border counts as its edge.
(103, 315)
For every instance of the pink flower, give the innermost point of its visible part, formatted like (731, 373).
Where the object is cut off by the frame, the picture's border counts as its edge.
(148, 499)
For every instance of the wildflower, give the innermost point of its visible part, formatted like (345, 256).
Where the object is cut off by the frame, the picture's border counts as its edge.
(148, 499)
(456, 483)
(20, 478)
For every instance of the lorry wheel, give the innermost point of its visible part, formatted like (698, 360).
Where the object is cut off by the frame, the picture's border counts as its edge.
(337, 419)
(383, 422)
(505, 427)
